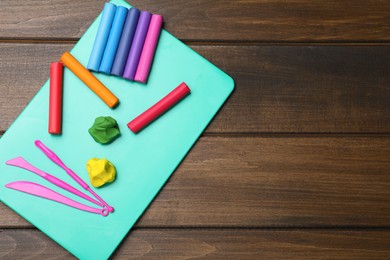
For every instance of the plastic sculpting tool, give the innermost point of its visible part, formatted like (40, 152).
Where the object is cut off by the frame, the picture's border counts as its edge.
(113, 40)
(46, 193)
(55, 100)
(101, 37)
(52, 156)
(89, 79)
(159, 108)
(22, 163)
(147, 55)
(137, 45)
(125, 43)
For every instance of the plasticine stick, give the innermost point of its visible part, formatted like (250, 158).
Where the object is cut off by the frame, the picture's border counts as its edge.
(137, 45)
(90, 80)
(149, 49)
(159, 108)
(55, 99)
(125, 43)
(101, 37)
(113, 40)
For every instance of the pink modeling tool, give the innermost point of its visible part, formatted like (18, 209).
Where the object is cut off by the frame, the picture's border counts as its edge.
(52, 156)
(22, 163)
(46, 193)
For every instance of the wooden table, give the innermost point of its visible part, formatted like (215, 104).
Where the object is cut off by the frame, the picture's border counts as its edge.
(296, 164)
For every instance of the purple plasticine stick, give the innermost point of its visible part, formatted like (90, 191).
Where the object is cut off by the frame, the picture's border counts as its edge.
(52, 156)
(46, 193)
(149, 49)
(22, 163)
(137, 45)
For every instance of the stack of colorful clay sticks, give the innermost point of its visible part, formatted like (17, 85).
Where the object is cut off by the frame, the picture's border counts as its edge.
(125, 42)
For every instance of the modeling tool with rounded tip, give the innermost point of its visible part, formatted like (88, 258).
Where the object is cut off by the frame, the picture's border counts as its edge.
(52, 156)
(22, 163)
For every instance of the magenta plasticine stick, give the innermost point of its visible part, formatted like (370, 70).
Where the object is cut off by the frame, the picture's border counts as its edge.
(149, 49)
(137, 45)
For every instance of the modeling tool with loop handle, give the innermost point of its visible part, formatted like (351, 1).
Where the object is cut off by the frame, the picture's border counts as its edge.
(52, 156)
(46, 193)
(22, 163)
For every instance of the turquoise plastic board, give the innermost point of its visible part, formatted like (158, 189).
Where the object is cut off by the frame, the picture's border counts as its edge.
(144, 161)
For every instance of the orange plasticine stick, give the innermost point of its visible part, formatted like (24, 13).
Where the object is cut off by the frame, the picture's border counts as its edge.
(89, 79)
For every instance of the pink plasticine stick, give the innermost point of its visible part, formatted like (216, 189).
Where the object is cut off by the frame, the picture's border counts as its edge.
(149, 49)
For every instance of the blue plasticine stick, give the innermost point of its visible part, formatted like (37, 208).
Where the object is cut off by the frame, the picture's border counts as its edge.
(101, 37)
(113, 39)
(137, 45)
(125, 43)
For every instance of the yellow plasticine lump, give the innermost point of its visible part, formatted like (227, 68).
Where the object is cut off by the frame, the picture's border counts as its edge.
(100, 171)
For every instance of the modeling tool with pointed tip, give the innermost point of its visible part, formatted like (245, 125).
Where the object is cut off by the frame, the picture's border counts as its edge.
(22, 163)
(52, 156)
(46, 193)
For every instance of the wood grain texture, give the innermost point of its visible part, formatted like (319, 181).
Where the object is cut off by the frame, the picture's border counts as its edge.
(279, 89)
(295, 165)
(262, 20)
(214, 244)
(273, 182)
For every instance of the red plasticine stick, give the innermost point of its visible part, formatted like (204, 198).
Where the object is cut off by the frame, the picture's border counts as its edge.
(159, 108)
(55, 101)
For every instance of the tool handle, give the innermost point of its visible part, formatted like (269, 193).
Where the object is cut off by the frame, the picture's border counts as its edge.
(110, 209)
(49, 153)
(80, 181)
(71, 189)
(52, 156)
(44, 192)
(22, 163)
(76, 178)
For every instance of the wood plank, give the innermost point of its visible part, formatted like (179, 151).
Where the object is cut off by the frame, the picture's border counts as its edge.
(273, 182)
(215, 244)
(263, 20)
(279, 89)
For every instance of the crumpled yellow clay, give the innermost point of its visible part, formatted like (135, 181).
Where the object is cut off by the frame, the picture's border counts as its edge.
(100, 171)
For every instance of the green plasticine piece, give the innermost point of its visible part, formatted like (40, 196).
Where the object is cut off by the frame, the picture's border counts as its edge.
(104, 130)
(146, 160)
